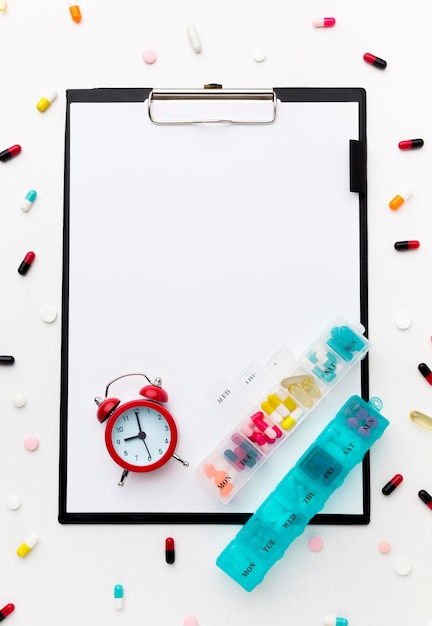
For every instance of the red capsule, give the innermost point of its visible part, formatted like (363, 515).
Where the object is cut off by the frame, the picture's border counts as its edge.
(425, 497)
(425, 372)
(7, 154)
(6, 610)
(169, 550)
(413, 244)
(26, 263)
(375, 61)
(392, 484)
(411, 144)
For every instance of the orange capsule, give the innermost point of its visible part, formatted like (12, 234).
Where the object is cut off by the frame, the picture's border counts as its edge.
(75, 11)
(398, 200)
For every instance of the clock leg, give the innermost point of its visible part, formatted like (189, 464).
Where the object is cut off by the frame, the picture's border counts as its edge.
(177, 458)
(123, 478)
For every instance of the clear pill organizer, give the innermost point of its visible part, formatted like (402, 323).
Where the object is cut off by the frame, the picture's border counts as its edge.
(303, 492)
(282, 408)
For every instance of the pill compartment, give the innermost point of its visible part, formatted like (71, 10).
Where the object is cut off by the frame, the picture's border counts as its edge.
(322, 467)
(363, 419)
(262, 538)
(219, 476)
(282, 408)
(339, 441)
(241, 453)
(346, 340)
(263, 432)
(282, 515)
(302, 493)
(305, 388)
(325, 364)
(243, 564)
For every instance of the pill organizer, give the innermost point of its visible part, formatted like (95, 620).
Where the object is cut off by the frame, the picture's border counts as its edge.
(286, 403)
(303, 492)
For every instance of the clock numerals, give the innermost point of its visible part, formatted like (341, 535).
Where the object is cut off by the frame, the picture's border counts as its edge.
(119, 429)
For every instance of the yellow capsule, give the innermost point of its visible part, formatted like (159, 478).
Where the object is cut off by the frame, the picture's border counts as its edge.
(300, 394)
(288, 422)
(271, 412)
(277, 403)
(398, 200)
(310, 387)
(75, 12)
(44, 103)
(3, 6)
(28, 545)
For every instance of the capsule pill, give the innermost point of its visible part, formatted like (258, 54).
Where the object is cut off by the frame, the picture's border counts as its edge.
(118, 597)
(392, 484)
(410, 144)
(27, 546)
(194, 39)
(399, 200)
(425, 372)
(375, 61)
(9, 153)
(28, 200)
(44, 103)
(26, 263)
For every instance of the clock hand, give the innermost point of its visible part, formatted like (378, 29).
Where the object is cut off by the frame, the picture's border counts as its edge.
(139, 425)
(141, 435)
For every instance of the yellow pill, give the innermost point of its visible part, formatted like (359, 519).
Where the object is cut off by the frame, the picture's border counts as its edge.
(271, 412)
(3, 6)
(288, 423)
(277, 403)
(44, 103)
(398, 200)
(299, 394)
(28, 545)
(310, 387)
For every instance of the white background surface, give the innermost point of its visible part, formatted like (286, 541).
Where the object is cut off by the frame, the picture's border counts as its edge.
(69, 576)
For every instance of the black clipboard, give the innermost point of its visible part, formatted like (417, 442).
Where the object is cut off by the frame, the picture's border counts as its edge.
(76, 454)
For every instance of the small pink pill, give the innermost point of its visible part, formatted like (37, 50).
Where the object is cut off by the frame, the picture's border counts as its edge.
(316, 544)
(149, 56)
(31, 443)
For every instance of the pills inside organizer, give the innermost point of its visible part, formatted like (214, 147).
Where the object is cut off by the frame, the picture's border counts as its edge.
(48, 314)
(403, 320)
(316, 544)
(402, 566)
(31, 443)
(149, 56)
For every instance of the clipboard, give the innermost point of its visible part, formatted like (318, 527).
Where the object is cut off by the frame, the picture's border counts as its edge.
(204, 229)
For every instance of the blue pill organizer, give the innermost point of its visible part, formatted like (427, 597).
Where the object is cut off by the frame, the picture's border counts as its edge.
(281, 409)
(303, 492)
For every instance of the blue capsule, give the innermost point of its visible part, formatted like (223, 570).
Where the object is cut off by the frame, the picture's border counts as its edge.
(118, 597)
(28, 200)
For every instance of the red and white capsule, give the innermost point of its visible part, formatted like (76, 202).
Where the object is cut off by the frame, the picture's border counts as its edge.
(323, 22)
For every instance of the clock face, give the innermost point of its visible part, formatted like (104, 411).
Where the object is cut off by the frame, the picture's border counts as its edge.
(141, 435)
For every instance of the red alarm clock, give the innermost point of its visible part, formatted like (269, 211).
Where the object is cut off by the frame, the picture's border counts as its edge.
(140, 435)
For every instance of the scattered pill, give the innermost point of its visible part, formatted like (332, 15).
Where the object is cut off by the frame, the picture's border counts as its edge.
(75, 12)
(49, 314)
(412, 244)
(44, 103)
(7, 359)
(399, 200)
(384, 547)
(425, 497)
(6, 610)
(402, 566)
(7, 154)
(3, 6)
(26, 263)
(149, 56)
(14, 502)
(323, 22)
(28, 200)
(403, 320)
(316, 544)
(421, 419)
(331, 620)
(169, 550)
(28, 545)
(375, 61)
(194, 39)
(411, 144)
(392, 484)
(31, 443)
(118, 597)
(425, 372)
(190, 620)
(19, 400)
(259, 55)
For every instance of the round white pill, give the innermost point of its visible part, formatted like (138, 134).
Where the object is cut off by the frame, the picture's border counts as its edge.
(403, 320)
(402, 566)
(19, 400)
(49, 314)
(259, 55)
(14, 502)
